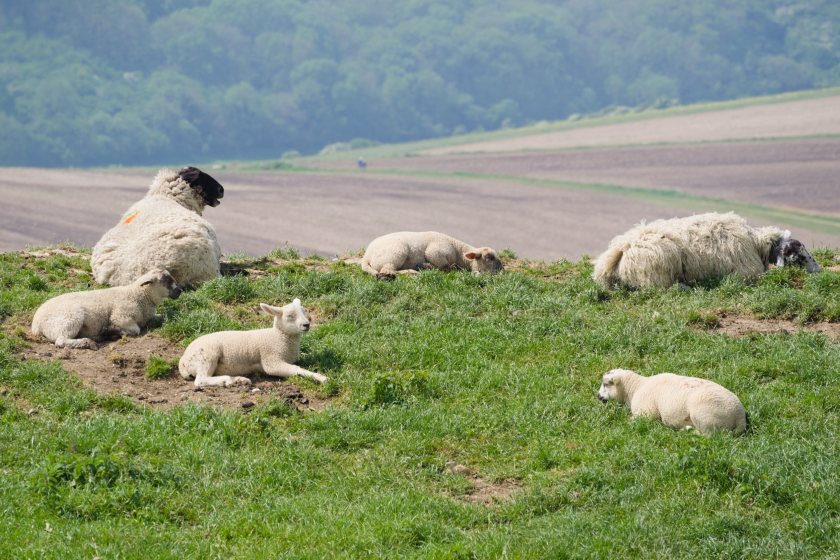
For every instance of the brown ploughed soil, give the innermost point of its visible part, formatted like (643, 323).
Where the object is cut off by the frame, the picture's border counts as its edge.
(807, 117)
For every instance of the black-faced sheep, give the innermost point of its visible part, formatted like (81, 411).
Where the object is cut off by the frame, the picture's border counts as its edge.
(406, 252)
(164, 230)
(235, 353)
(77, 319)
(680, 402)
(687, 250)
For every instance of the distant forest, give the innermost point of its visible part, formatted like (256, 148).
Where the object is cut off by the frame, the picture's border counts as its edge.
(94, 82)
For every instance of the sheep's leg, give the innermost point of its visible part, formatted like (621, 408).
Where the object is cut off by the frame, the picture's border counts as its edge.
(64, 342)
(125, 326)
(69, 326)
(221, 380)
(203, 367)
(283, 369)
(367, 268)
(388, 272)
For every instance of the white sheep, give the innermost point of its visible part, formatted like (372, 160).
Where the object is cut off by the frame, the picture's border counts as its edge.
(687, 250)
(235, 353)
(164, 230)
(406, 252)
(76, 319)
(680, 402)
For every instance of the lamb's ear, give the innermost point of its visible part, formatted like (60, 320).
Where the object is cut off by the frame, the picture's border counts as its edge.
(471, 255)
(296, 301)
(271, 310)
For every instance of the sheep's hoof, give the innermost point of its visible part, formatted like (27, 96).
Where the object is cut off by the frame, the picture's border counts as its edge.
(386, 276)
(238, 381)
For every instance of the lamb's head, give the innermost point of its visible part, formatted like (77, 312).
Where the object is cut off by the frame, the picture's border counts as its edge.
(484, 261)
(290, 319)
(209, 189)
(791, 252)
(159, 284)
(612, 385)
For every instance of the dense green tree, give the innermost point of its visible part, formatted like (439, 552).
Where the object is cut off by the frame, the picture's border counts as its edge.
(145, 81)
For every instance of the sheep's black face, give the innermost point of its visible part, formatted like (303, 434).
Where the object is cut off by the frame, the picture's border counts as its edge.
(209, 188)
(792, 252)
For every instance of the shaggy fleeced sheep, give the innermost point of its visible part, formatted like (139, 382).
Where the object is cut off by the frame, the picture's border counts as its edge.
(164, 230)
(679, 401)
(687, 250)
(235, 353)
(406, 252)
(74, 320)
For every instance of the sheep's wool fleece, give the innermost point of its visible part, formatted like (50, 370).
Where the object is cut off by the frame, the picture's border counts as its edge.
(163, 230)
(690, 249)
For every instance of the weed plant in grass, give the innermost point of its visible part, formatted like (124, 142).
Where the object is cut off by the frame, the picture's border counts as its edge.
(497, 373)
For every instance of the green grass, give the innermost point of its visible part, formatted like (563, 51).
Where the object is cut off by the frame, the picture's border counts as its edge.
(496, 373)
(158, 367)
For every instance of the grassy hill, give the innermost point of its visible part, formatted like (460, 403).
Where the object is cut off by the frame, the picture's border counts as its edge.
(461, 423)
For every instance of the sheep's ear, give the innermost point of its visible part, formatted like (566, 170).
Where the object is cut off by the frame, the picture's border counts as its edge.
(296, 301)
(786, 235)
(147, 282)
(190, 174)
(270, 309)
(471, 256)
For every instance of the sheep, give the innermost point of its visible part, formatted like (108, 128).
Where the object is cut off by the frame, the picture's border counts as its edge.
(272, 351)
(406, 252)
(687, 250)
(164, 230)
(680, 402)
(76, 319)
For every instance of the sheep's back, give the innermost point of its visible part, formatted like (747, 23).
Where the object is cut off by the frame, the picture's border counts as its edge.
(157, 232)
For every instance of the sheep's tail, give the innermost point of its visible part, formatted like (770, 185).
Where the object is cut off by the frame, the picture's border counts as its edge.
(605, 272)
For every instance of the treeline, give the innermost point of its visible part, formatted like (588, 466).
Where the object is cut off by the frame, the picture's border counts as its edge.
(147, 81)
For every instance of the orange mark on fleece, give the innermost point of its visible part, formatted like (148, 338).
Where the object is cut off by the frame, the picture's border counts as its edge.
(128, 219)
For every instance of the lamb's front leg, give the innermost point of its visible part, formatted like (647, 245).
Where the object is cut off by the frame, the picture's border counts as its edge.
(283, 369)
(125, 326)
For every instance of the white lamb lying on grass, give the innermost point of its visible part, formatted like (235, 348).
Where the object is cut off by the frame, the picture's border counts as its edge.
(680, 402)
(74, 320)
(235, 353)
(406, 252)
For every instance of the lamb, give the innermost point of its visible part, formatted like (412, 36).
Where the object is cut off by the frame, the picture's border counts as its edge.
(77, 319)
(406, 252)
(272, 351)
(680, 402)
(687, 250)
(164, 230)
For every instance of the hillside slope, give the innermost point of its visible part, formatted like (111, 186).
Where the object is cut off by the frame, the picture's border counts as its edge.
(460, 421)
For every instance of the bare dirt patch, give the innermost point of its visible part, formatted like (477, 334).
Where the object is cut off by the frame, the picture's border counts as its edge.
(119, 368)
(742, 325)
(484, 492)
